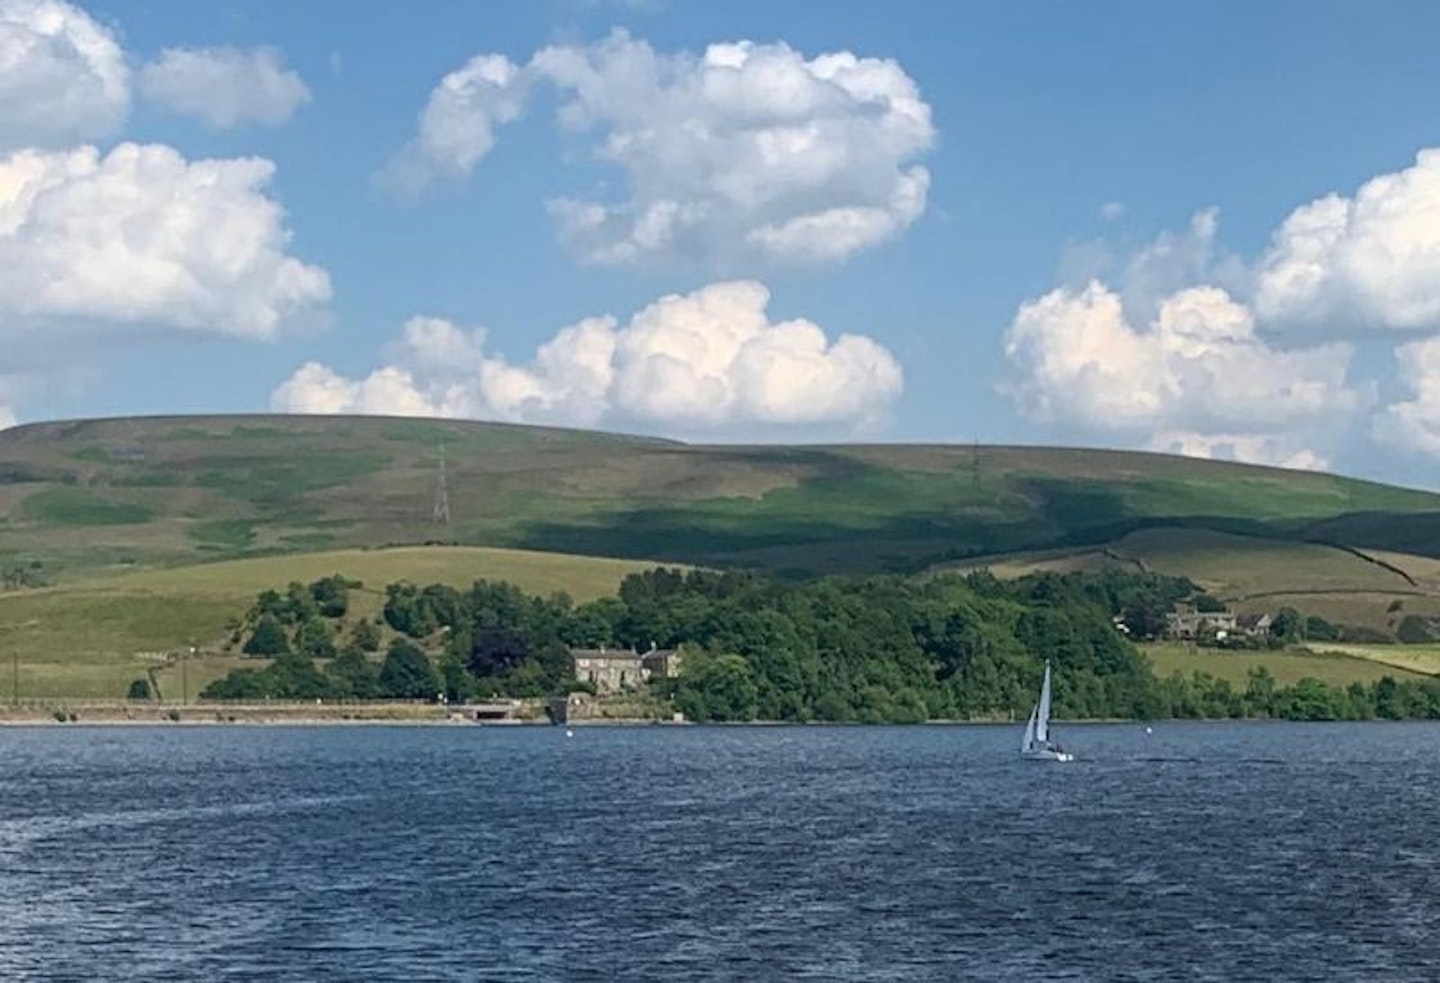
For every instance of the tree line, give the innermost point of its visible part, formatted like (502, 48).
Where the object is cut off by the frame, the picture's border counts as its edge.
(870, 649)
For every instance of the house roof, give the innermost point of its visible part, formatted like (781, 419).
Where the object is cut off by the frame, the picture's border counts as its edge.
(612, 655)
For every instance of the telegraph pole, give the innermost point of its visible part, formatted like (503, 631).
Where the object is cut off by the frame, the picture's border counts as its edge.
(441, 514)
(15, 659)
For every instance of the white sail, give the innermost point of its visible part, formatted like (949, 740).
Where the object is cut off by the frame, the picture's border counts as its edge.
(1042, 721)
(1037, 745)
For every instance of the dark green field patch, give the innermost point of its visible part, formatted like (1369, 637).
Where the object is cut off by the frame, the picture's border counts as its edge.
(308, 541)
(235, 534)
(146, 479)
(15, 473)
(262, 433)
(269, 482)
(81, 507)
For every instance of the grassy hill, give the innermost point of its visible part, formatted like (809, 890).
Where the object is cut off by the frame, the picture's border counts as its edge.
(91, 639)
(125, 541)
(93, 497)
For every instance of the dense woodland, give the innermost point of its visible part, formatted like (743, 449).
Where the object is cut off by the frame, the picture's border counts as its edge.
(866, 649)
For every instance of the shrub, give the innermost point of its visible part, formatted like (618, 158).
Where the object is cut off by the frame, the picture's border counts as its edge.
(268, 638)
(1415, 630)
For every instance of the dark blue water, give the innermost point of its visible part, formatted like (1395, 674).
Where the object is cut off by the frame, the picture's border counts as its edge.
(1201, 852)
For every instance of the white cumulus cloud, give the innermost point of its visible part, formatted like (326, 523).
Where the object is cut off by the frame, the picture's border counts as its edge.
(745, 153)
(457, 127)
(1278, 450)
(142, 236)
(1414, 423)
(9, 387)
(1197, 369)
(707, 359)
(1213, 355)
(63, 77)
(1346, 265)
(225, 86)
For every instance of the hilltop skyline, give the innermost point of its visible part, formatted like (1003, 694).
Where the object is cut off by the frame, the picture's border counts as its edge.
(1206, 229)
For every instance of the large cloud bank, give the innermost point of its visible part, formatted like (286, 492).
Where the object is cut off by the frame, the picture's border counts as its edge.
(132, 238)
(1256, 369)
(63, 77)
(140, 235)
(704, 360)
(746, 153)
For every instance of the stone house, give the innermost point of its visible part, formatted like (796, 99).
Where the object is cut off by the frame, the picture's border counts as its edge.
(661, 663)
(618, 670)
(1255, 625)
(611, 670)
(1189, 624)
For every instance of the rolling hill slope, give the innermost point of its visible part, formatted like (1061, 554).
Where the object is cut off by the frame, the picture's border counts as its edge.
(92, 638)
(123, 542)
(1355, 587)
(86, 498)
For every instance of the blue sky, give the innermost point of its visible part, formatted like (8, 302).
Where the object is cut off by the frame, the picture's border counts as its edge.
(1100, 224)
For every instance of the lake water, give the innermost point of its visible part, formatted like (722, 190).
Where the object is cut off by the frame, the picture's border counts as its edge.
(1199, 852)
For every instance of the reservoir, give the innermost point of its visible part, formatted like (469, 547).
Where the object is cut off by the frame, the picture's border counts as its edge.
(1214, 851)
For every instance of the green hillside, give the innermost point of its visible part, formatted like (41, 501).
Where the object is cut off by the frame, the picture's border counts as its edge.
(92, 638)
(86, 498)
(1346, 585)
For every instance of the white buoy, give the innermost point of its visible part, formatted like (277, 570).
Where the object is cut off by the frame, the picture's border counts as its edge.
(569, 733)
(1149, 731)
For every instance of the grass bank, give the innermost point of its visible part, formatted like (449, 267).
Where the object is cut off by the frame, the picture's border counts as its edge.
(1288, 667)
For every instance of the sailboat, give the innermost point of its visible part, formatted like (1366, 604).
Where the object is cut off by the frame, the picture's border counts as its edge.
(1037, 745)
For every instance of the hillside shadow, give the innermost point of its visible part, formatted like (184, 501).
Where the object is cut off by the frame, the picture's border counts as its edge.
(834, 534)
(817, 528)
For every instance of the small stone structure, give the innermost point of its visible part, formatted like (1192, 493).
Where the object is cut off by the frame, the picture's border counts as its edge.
(1255, 625)
(495, 711)
(661, 663)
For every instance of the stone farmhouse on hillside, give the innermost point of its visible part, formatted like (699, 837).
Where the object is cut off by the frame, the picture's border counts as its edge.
(1188, 624)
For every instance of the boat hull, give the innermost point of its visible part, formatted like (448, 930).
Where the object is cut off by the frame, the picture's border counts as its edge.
(1046, 754)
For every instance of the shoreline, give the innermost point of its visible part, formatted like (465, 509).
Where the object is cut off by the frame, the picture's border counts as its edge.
(83, 714)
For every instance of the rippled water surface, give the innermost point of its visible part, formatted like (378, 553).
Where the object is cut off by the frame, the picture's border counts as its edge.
(1198, 852)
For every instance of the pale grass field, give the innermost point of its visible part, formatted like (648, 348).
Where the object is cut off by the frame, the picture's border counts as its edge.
(111, 679)
(1416, 658)
(92, 639)
(1236, 566)
(583, 577)
(1288, 667)
(1228, 565)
